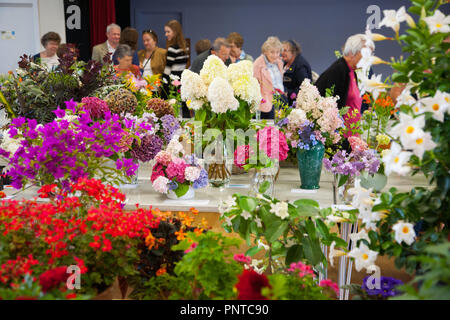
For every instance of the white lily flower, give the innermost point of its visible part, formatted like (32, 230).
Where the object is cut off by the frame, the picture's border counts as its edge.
(359, 194)
(360, 236)
(262, 245)
(227, 205)
(246, 215)
(423, 144)
(405, 98)
(228, 220)
(373, 85)
(409, 130)
(404, 232)
(364, 257)
(395, 160)
(258, 222)
(438, 105)
(392, 18)
(438, 22)
(335, 253)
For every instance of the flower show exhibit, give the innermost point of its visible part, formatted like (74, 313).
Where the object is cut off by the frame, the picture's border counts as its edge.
(103, 176)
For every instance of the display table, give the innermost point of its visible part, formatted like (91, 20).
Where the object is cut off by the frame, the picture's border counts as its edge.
(207, 199)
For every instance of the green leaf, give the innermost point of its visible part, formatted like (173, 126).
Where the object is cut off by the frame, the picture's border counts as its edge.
(294, 254)
(275, 230)
(264, 187)
(304, 210)
(252, 251)
(248, 204)
(323, 229)
(342, 180)
(312, 250)
(181, 190)
(308, 202)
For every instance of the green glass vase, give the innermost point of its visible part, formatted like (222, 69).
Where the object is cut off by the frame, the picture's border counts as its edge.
(310, 166)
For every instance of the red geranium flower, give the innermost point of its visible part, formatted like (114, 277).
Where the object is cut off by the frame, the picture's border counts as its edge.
(250, 285)
(51, 279)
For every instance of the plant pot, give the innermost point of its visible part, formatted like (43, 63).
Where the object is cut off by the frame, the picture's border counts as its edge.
(187, 196)
(376, 182)
(310, 166)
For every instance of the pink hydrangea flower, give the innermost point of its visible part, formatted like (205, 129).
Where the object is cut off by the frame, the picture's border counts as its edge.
(242, 258)
(158, 171)
(241, 155)
(163, 158)
(192, 173)
(161, 185)
(273, 142)
(176, 169)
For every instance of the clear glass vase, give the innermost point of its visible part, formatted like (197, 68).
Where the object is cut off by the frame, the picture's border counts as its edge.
(219, 166)
(341, 194)
(259, 176)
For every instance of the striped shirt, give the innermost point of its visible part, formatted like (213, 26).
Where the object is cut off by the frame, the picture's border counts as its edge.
(176, 62)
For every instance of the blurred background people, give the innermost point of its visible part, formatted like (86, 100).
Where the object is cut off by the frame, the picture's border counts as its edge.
(268, 69)
(296, 69)
(152, 59)
(125, 64)
(113, 32)
(202, 46)
(130, 37)
(237, 53)
(220, 48)
(48, 58)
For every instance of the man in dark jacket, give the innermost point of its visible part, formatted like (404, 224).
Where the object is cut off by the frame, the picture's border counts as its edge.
(220, 48)
(341, 74)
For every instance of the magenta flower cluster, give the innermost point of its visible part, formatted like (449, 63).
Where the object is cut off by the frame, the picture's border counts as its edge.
(63, 151)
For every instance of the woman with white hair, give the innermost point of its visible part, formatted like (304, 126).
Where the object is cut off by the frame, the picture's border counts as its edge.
(268, 69)
(341, 74)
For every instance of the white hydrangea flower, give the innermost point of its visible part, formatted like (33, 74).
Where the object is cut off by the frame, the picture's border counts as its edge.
(213, 68)
(280, 209)
(221, 96)
(192, 86)
(243, 68)
(192, 173)
(175, 147)
(404, 232)
(194, 104)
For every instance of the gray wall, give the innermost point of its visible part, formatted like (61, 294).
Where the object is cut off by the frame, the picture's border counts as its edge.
(321, 26)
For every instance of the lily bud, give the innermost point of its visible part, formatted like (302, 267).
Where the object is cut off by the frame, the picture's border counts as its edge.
(379, 37)
(376, 60)
(410, 21)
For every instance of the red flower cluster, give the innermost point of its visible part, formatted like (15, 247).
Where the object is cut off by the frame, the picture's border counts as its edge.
(250, 285)
(13, 271)
(59, 227)
(52, 279)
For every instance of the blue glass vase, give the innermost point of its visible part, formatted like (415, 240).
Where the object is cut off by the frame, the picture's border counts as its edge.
(310, 166)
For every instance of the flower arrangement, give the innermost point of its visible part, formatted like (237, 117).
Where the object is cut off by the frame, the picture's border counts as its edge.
(35, 92)
(172, 93)
(173, 172)
(314, 119)
(345, 167)
(278, 228)
(225, 97)
(121, 102)
(90, 230)
(63, 151)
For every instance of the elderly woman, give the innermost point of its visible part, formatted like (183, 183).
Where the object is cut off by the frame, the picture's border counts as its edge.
(296, 69)
(124, 55)
(50, 41)
(268, 69)
(341, 74)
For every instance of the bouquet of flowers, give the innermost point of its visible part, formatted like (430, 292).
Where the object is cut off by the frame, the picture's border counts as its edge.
(313, 120)
(222, 98)
(346, 166)
(175, 172)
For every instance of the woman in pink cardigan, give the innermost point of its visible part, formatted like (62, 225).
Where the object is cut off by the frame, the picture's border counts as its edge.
(268, 69)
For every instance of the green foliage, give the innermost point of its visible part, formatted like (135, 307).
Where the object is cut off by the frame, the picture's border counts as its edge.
(293, 287)
(434, 278)
(207, 272)
(295, 238)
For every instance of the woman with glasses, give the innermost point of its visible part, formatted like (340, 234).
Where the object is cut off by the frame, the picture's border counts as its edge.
(296, 69)
(152, 59)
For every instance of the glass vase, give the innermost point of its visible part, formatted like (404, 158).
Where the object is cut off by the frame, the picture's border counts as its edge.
(219, 166)
(260, 176)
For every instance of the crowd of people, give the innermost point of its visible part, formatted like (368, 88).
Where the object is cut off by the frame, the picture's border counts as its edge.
(281, 68)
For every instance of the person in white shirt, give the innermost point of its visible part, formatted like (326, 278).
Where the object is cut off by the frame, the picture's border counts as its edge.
(48, 58)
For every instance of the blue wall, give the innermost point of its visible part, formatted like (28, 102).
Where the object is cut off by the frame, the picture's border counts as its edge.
(321, 26)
